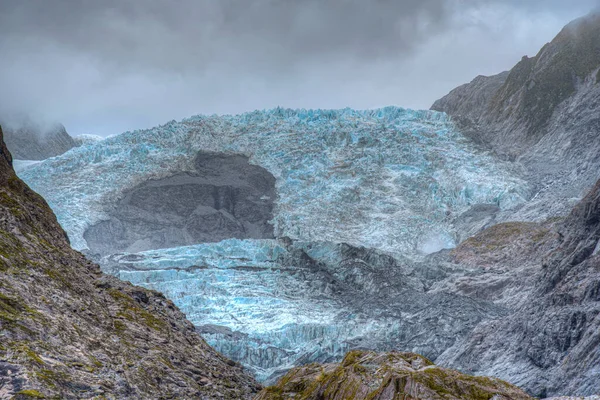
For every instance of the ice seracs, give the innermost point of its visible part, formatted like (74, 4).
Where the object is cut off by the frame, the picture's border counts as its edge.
(385, 178)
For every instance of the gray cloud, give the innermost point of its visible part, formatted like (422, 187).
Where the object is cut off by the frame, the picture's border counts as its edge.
(107, 66)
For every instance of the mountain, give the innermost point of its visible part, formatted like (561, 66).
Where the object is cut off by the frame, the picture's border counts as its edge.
(302, 229)
(290, 237)
(31, 141)
(69, 331)
(543, 114)
(554, 334)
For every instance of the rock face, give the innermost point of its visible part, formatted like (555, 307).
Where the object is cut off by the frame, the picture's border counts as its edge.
(223, 197)
(33, 142)
(69, 331)
(550, 343)
(543, 114)
(387, 376)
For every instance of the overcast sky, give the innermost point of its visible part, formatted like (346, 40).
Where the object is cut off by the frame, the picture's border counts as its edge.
(107, 66)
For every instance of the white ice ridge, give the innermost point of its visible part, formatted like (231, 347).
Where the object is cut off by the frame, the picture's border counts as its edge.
(388, 178)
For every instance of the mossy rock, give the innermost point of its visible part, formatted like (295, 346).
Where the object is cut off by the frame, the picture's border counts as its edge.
(29, 394)
(367, 375)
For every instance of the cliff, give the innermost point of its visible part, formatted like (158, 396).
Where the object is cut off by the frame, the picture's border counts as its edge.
(69, 331)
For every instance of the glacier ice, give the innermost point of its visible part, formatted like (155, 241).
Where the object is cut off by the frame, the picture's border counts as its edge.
(347, 181)
(383, 178)
(272, 305)
(21, 165)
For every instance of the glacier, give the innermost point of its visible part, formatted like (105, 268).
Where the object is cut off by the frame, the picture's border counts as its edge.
(387, 178)
(362, 197)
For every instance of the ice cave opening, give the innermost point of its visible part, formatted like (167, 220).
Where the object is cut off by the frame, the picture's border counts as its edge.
(224, 197)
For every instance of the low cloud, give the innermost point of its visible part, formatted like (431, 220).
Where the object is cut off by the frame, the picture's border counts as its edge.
(105, 67)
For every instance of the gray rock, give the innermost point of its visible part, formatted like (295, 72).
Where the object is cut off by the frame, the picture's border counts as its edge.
(549, 344)
(543, 114)
(225, 197)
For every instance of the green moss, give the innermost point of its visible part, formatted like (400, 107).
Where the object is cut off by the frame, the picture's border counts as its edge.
(95, 361)
(50, 378)
(352, 357)
(10, 308)
(120, 327)
(167, 362)
(132, 311)
(32, 355)
(11, 204)
(31, 393)
(274, 392)
(119, 296)
(151, 321)
(58, 277)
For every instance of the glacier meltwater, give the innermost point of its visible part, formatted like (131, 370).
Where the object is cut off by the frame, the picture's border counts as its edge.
(389, 179)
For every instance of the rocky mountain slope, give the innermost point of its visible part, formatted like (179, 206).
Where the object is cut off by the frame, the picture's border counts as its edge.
(544, 115)
(69, 331)
(367, 375)
(546, 278)
(550, 343)
(30, 141)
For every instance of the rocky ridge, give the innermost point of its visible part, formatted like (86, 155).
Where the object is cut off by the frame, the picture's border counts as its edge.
(69, 331)
(543, 114)
(30, 141)
(386, 376)
(549, 344)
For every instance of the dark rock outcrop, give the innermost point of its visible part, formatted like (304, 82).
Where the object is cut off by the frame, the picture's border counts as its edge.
(386, 376)
(225, 197)
(33, 142)
(69, 331)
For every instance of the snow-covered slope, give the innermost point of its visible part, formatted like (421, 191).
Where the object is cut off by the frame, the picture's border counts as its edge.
(390, 178)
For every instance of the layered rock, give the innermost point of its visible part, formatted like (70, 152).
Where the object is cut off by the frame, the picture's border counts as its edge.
(544, 115)
(69, 331)
(387, 376)
(223, 197)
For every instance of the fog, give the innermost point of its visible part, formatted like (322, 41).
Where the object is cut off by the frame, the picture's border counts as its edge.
(104, 67)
